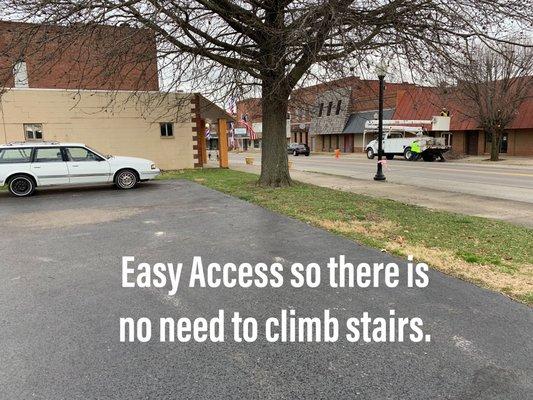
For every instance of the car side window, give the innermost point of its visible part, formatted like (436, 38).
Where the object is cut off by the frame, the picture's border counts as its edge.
(80, 154)
(14, 156)
(48, 154)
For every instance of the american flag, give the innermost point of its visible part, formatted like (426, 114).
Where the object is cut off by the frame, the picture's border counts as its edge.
(249, 130)
(232, 106)
(232, 133)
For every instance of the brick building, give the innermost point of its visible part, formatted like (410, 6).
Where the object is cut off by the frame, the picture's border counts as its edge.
(331, 115)
(249, 109)
(87, 57)
(468, 137)
(341, 112)
(98, 85)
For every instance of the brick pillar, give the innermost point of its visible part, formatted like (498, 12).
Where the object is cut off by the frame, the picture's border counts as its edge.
(202, 151)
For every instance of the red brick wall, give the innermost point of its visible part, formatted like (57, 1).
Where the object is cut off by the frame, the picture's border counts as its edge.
(458, 142)
(520, 143)
(100, 57)
(251, 107)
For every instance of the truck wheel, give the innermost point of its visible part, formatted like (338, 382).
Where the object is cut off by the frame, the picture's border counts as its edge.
(389, 156)
(370, 153)
(407, 153)
(428, 157)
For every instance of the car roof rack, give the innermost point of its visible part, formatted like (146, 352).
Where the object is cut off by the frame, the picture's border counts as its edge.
(32, 142)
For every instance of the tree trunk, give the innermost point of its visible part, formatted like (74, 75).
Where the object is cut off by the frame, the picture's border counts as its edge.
(274, 164)
(495, 145)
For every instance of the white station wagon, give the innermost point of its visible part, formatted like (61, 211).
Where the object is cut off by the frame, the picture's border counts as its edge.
(25, 166)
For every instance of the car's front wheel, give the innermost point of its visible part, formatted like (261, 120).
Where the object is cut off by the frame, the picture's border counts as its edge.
(21, 186)
(126, 179)
(295, 153)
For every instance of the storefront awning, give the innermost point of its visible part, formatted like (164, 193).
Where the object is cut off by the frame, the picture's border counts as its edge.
(356, 122)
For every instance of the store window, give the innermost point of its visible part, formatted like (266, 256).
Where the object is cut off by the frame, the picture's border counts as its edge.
(338, 110)
(320, 109)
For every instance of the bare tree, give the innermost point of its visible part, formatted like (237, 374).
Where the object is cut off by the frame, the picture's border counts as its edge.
(491, 83)
(273, 44)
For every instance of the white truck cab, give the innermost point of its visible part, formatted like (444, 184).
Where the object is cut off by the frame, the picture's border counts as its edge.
(24, 166)
(395, 142)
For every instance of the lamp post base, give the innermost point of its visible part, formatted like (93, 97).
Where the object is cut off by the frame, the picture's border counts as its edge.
(379, 174)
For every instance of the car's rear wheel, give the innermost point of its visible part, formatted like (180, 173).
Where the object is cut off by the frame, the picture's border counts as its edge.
(126, 179)
(21, 186)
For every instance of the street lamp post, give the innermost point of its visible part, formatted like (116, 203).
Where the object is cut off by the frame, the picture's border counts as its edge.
(381, 71)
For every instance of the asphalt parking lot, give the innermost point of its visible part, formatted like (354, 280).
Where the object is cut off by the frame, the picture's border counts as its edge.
(61, 300)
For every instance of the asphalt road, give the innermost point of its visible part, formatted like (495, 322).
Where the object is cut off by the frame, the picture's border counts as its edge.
(61, 300)
(500, 181)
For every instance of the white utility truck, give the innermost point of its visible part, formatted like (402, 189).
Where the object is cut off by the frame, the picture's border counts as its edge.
(398, 135)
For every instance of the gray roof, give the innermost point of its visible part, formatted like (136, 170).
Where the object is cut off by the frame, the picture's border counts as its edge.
(356, 122)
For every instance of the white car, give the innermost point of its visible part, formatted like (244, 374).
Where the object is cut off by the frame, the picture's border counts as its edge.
(25, 166)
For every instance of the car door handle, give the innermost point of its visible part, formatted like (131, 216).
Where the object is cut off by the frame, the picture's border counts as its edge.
(35, 167)
(74, 166)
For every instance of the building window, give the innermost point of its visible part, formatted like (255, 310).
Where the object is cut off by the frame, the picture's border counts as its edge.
(167, 129)
(339, 103)
(330, 106)
(20, 73)
(320, 109)
(33, 131)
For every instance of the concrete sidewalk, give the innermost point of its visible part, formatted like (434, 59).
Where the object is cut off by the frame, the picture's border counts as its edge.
(514, 212)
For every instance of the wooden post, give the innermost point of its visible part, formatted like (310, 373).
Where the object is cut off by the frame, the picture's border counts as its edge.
(202, 153)
(223, 143)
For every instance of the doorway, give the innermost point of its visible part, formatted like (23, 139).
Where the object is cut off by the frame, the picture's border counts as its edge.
(472, 140)
(348, 143)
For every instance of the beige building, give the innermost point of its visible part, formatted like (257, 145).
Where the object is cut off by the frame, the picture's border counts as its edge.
(153, 125)
(53, 93)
